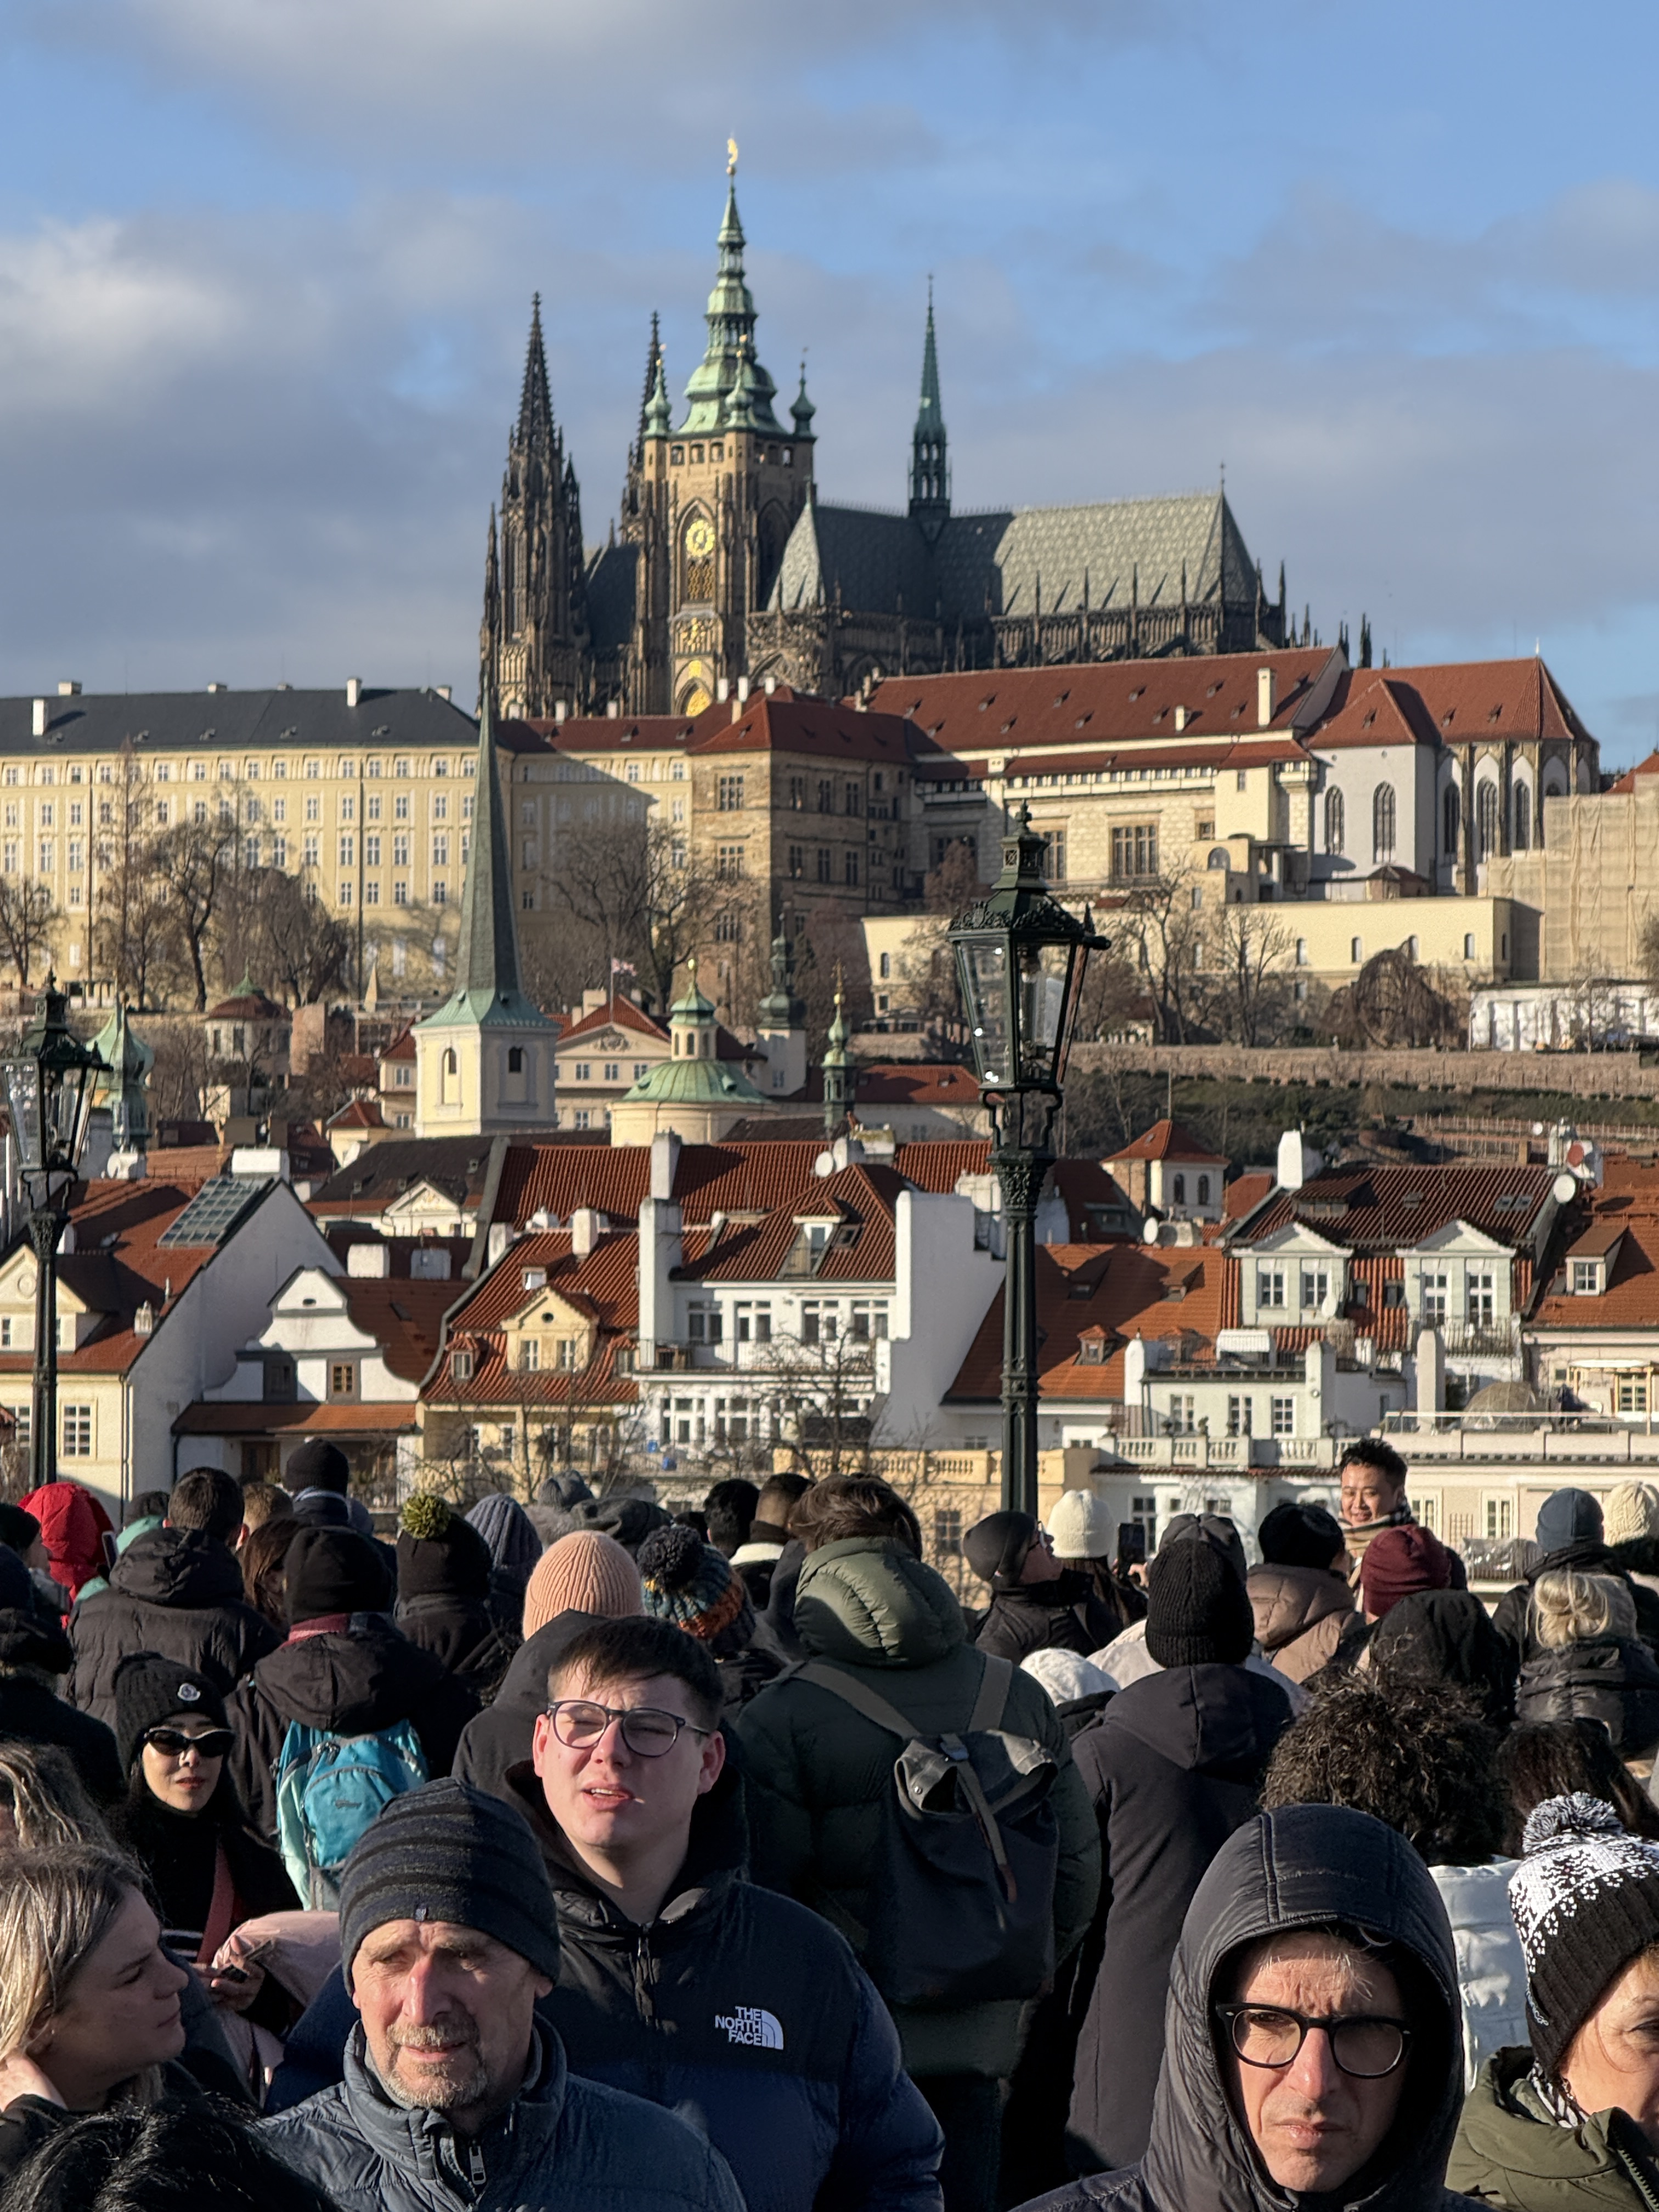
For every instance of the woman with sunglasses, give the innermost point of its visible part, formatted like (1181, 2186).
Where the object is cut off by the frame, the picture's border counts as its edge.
(184, 1823)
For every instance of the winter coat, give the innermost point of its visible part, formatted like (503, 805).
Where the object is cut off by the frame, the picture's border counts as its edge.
(1491, 1974)
(176, 1592)
(1175, 1766)
(73, 1526)
(1511, 2151)
(180, 1853)
(34, 1655)
(1299, 1613)
(561, 2144)
(1064, 1615)
(745, 2009)
(463, 1634)
(1512, 1614)
(818, 1772)
(499, 1737)
(1127, 1660)
(355, 1681)
(1292, 1874)
(1604, 1679)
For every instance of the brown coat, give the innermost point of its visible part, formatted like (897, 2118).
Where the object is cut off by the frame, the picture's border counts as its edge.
(1299, 1615)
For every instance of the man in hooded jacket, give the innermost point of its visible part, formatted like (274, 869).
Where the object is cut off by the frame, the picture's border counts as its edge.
(1305, 1871)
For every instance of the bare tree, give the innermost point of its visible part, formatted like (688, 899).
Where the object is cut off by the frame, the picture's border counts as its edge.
(956, 882)
(1161, 928)
(1248, 952)
(192, 859)
(644, 895)
(820, 1396)
(292, 941)
(134, 924)
(181, 1073)
(28, 914)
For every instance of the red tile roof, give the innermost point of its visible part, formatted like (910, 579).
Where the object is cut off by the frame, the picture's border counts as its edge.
(1165, 1140)
(782, 720)
(1471, 700)
(403, 1317)
(1220, 753)
(618, 1012)
(916, 1083)
(402, 1048)
(241, 1418)
(1383, 1207)
(603, 1284)
(359, 1114)
(1244, 1193)
(1625, 1212)
(862, 1250)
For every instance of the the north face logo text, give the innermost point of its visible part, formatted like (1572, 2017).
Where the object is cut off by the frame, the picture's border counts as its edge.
(748, 2024)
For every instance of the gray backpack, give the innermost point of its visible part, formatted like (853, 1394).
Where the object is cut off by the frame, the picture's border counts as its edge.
(962, 1885)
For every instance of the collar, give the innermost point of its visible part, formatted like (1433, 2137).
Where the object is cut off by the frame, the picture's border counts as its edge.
(324, 1624)
(715, 1858)
(756, 1552)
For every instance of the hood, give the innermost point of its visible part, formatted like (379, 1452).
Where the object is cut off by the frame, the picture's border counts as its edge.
(1287, 1602)
(1305, 1866)
(1215, 1720)
(73, 1524)
(871, 1602)
(716, 1855)
(1448, 1637)
(178, 1567)
(355, 1681)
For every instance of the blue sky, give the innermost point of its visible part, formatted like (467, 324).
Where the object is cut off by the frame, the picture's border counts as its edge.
(265, 269)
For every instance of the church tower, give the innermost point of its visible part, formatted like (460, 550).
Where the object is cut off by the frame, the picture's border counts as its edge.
(484, 1062)
(534, 637)
(930, 473)
(724, 489)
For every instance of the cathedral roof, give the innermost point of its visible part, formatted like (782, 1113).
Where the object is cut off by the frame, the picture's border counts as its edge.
(613, 575)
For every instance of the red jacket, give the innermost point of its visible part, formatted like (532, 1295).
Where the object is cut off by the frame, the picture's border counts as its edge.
(72, 1524)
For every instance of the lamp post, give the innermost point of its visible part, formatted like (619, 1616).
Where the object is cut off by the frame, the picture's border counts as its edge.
(48, 1086)
(1020, 961)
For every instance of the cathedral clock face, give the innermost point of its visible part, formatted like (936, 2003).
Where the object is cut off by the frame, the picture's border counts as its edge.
(699, 538)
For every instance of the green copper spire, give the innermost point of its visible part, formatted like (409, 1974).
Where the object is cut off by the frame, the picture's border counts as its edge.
(729, 369)
(837, 1063)
(802, 411)
(487, 956)
(781, 1009)
(122, 1083)
(658, 412)
(930, 475)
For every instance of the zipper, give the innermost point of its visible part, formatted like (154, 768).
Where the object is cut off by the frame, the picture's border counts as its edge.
(474, 2162)
(1636, 2168)
(642, 1980)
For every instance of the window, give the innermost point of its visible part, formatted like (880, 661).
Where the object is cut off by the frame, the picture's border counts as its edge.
(313, 809)
(1436, 1289)
(728, 862)
(371, 851)
(1178, 1189)
(851, 868)
(1522, 817)
(729, 794)
(854, 799)
(1135, 849)
(797, 862)
(1480, 1289)
(641, 1069)
(1500, 1516)
(400, 807)
(798, 793)
(342, 1378)
(530, 1355)
(947, 1532)
(1336, 824)
(312, 848)
(612, 1071)
(1632, 1394)
(1270, 1286)
(868, 1321)
(1283, 1416)
(1241, 1416)
(348, 806)
(348, 851)
(78, 1432)
(440, 806)
(1450, 821)
(1586, 1278)
(1204, 1190)
(1053, 855)
(824, 859)
(1468, 945)
(1355, 951)
(1382, 823)
(1316, 1288)
(1485, 821)
(400, 850)
(440, 848)
(584, 1070)
(1183, 1413)
(826, 796)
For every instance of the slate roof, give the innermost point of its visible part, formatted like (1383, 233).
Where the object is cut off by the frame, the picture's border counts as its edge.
(455, 1165)
(228, 721)
(1383, 1208)
(612, 585)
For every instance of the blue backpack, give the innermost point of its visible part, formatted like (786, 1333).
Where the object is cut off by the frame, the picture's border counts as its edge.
(329, 1788)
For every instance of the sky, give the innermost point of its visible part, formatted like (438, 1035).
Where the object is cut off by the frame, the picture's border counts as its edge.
(265, 271)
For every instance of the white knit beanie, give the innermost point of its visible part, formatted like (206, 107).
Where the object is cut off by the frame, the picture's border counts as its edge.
(1081, 1527)
(1630, 1511)
(1066, 1675)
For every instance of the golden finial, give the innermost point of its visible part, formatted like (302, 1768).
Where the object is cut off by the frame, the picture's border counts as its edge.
(730, 157)
(841, 984)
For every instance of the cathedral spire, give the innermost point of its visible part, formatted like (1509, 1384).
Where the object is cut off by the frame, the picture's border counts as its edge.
(652, 377)
(535, 401)
(930, 475)
(729, 370)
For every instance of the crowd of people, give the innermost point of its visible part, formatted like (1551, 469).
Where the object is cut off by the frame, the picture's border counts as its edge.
(576, 1853)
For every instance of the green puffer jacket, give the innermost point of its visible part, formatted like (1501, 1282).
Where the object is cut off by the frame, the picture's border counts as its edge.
(816, 1770)
(1509, 2151)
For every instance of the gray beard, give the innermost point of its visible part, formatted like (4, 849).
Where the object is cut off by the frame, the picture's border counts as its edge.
(458, 2092)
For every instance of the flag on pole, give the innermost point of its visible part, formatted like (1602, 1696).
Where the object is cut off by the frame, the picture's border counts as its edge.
(622, 966)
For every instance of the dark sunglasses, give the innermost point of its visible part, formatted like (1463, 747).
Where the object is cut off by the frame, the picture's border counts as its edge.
(212, 1743)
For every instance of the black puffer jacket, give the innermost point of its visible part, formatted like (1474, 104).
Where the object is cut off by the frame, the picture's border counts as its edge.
(1308, 1866)
(1512, 1614)
(355, 1681)
(1065, 1615)
(464, 1634)
(34, 1653)
(499, 1737)
(1605, 1679)
(175, 1591)
(1174, 1767)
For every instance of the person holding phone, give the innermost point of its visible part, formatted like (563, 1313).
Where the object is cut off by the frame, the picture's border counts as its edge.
(185, 1824)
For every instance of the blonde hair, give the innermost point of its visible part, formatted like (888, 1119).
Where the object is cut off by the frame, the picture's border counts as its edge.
(48, 1802)
(1568, 1607)
(55, 1908)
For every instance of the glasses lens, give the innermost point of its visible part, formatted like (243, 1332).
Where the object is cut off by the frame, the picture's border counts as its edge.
(1366, 2048)
(649, 1732)
(1262, 2037)
(581, 1725)
(214, 1743)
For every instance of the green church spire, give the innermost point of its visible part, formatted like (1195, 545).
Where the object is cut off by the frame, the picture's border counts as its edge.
(487, 956)
(837, 1063)
(729, 377)
(930, 475)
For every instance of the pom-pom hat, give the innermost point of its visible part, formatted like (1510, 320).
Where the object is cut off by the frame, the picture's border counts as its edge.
(1585, 1899)
(696, 1588)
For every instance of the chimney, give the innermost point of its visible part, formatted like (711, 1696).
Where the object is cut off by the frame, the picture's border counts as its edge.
(583, 1230)
(446, 692)
(373, 1260)
(214, 690)
(737, 708)
(354, 690)
(39, 719)
(613, 710)
(1181, 717)
(743, 688)
(771, 685)
(722, 690)
(1266, 698)
(67, 688)
(559, 710)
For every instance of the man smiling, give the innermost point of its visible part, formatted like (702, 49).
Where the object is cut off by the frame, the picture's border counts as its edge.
(680, 1978)
(454, 2095)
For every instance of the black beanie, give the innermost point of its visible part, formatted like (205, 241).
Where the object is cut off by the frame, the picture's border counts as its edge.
(334, 1571)
(151, 1691)
(996, 1547)
(318, 1465)
(20, 1530)
(1197, 1613)
(439, 1553)
(1300, 1536)
(1585, 1902)
(448, 1852)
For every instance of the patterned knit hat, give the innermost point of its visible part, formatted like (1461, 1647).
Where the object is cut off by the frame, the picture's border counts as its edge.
(691, 1584)
(1585, 1899)
(1630, 1511)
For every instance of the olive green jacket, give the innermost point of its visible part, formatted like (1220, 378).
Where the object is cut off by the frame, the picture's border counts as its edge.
(818, 1772)
(1509, 2152)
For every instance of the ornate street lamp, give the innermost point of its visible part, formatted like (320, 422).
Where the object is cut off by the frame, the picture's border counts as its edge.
(1020, 961)
(49, 1092)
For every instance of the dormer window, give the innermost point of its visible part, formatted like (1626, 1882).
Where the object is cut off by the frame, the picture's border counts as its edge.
(1585, 1279)
(1091, 1348)
(460, 1366)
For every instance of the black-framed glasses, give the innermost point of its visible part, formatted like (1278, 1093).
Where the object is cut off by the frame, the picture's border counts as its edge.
(1366, 2045)
(648, 1730)
(212, 1743)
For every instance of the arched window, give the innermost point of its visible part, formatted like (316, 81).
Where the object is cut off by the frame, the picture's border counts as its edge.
(449, 1078)
(515, 1059)
(1204, 1190)
(1219, 857)
(1450, 821)
(1485, 821)
(1335, 822)
(1522, 817)
(1179, 1191)
(1382, 823)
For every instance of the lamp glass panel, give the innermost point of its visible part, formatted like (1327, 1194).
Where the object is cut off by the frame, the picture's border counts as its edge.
(983, 962)
(1044, 972)
(23, 1099)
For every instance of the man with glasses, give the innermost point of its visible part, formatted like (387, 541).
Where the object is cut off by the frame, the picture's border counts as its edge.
(1314, 2048)
(680, 1979)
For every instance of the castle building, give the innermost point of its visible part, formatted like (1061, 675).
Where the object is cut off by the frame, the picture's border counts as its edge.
(727, 566)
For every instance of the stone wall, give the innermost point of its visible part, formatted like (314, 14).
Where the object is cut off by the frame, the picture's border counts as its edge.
(1600, 1074)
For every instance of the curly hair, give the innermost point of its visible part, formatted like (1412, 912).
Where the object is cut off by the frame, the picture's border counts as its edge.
(1414, 1755)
